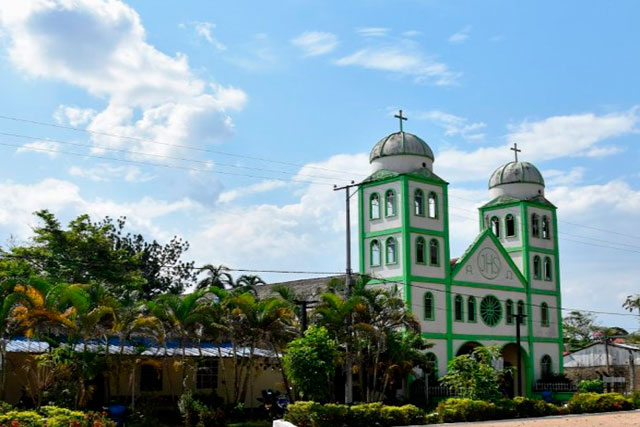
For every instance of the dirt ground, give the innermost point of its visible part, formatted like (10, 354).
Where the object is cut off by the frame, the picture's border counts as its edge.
(611, 419)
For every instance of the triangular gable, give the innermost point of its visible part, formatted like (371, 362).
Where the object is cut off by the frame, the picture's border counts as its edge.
(486, 261)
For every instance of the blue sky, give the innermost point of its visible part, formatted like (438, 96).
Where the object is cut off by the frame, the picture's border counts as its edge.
(309, 87)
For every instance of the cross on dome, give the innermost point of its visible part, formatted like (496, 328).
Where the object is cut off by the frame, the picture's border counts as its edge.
(400, 118)
(514, 148)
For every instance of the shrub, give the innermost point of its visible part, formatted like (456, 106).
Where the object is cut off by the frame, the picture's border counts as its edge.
(528, 408)
(52, 416)
(462, 409)
(591, 386)
(5, 407)
(594, 402)
(635, 399)
(312, 414)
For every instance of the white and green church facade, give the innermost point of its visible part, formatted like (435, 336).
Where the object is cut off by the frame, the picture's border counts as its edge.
(511, 267)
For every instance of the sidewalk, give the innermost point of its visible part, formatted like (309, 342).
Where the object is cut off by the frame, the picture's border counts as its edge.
(608, 419)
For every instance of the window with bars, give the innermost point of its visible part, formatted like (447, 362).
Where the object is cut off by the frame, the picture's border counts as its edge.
(207, 374)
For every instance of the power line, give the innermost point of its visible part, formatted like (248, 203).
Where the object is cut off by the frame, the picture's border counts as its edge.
(186, 147)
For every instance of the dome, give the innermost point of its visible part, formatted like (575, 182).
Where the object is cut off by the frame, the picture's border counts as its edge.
(400, 143)
(516, 173)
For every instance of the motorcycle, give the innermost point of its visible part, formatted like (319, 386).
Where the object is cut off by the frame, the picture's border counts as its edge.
(275, 405)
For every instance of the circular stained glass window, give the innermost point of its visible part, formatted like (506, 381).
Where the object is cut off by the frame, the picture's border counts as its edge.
(490, 310)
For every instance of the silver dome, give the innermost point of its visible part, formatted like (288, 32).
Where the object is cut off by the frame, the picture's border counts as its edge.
(400, 143)
(516, 172)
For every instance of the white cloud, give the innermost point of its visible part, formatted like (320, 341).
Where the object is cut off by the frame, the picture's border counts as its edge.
(403, 59)
(205, 30)
(260, 187)
(256, 55)
(453, 125)
(412, 33)
(47, 148)
(373, 31)
(460, 36)
(551, 138)
(553, 177)
(104, 172)
(101, 46)
(73, 116)
(314, 43)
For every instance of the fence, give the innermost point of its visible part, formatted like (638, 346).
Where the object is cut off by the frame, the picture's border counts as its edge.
(556, 387)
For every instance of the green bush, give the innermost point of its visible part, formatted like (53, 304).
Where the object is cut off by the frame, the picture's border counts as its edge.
(591, 386)
(595, 402)
(461, 409)
(52, 416)
(24, 418)
(635, 399)
(528, 408)
(312, 414)
(5, 407)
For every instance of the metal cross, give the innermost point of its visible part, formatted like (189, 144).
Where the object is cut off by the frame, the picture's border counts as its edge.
(515, 150)
(400, 118)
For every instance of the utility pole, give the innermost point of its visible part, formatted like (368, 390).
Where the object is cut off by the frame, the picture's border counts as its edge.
(519, 319)
(348, 385)
(303, 313)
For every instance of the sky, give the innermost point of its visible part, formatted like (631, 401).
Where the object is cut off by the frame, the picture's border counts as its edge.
(228, 123)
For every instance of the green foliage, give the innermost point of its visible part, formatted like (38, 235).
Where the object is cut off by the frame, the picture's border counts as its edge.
(474, 376)
(312, 414)
(591, 386)
(5, 407)
(595, 402)
(635, 399)
(578, 328)
(528, 408)
(52, 416)
(463, 409)
(310, 362)
(197, 413)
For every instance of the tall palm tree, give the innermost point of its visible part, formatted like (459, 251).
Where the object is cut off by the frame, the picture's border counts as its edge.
(216, 276)
(632, 303)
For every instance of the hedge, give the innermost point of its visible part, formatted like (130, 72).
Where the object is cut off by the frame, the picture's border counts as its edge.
(312, 414)
(594, 402)
(52, 416)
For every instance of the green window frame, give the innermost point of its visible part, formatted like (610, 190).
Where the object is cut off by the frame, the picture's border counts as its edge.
(546, 366)
(491, 310)
(521, 310)
(418, 202)
(548, 269)
(375, 253)
(432, 205)
(390, 203)
(391, 251)
(374, 206)
(471, 309)
(495, 226)
(508, 307)
(510, 225)
(544, 314)
(537, 268)
(458, 309)
(421, 251)
(535, 225)
(434, 252)
(429, 306)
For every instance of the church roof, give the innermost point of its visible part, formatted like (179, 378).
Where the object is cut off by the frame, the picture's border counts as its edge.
(504, 199)
(516, 172)
(423, 173)
(400, 143)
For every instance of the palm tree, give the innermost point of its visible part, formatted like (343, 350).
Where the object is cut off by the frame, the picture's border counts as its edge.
(217, 277)
(632, 303)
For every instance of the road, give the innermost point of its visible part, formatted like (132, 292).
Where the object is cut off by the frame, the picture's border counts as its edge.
(611, 419)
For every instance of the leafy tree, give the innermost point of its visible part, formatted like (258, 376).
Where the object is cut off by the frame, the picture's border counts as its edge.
(578, 329)
(474, 376)
(216, 276)
(310, 361)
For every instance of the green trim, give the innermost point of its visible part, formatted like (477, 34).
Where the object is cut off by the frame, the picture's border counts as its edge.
(434, 335)
(508, 317)
(544, 292)
(548, 275)
(380, 182)
(426, 231)
(361, 229)
(371, 263)
(501, 206)
(386, 251)
(506, 228)
(534, 248)
(420, 239)
(472, 309)
(395, 279)
(455, 309)
(447, 270)
(435, 202)
(547, 340)
(525, 262)
(501, 313)
(395, 230)
(415, 204)
(471, 337)
(439, 280)
(487, 286)
(433, 306)
(371, 217)
(394, 203)
(537, 272)
(559, 293)
(407, 259)
(437, 246)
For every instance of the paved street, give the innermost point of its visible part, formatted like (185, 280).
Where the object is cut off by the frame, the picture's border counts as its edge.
(615, 419)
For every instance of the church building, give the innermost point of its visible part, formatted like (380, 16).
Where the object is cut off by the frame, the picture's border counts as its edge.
(511, 268)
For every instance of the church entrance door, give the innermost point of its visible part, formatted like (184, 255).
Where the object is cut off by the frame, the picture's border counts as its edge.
(510, 357)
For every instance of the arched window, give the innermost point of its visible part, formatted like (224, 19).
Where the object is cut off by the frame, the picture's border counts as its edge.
(544, 314)
(546, 366)
(390, 203)
(521, 311)
(509, 311)
(547, 268)
(432, 369)
(535, 225)
(392, 257)
(545, 227)
(433, 205)
(434, 252)
(457, 308)
(374, 206)
(510, 225)
(376, 259)
(495, 226)
(421, 256)
(429, 306)
(418, 202)
(537, 268)
(471, 309)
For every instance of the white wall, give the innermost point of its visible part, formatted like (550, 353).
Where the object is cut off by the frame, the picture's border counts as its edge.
(548, 285)
(384, 222)
(550, 331)
(426, 270)
(471, 270)
(418, 290)
(539, 241)
(384, 269)
(436, 224)
(507, 242)
(539, 350)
